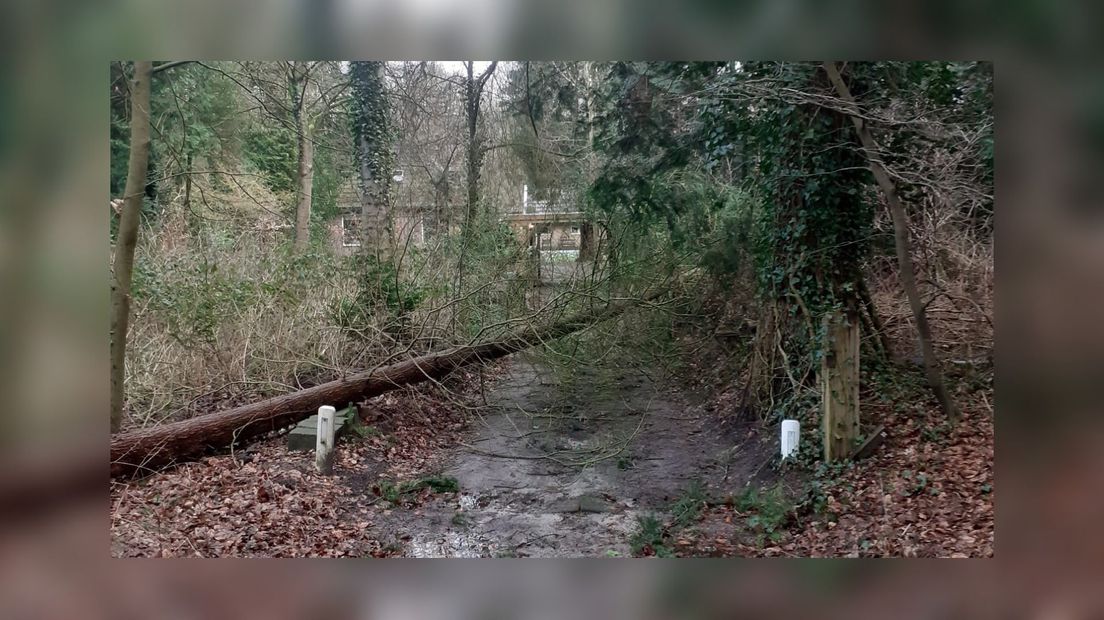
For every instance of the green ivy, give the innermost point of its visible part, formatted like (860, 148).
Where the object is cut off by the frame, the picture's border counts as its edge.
(371, 126)
(271, 150)
(380, 290)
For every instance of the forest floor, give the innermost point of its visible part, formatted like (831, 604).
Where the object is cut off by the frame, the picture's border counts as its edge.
(558, 467)
(603, 462)
(526, 459)
(545, 466)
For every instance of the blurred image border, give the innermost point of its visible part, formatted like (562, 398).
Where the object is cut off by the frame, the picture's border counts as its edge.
(53, 163)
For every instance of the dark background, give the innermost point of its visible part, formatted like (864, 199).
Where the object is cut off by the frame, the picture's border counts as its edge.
(54, 301)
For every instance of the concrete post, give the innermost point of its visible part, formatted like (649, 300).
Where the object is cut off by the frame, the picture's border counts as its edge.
(323, 452)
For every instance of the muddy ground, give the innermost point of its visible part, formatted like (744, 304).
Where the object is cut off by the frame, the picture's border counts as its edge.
(562, 460)
(557, 466)
(549, 460)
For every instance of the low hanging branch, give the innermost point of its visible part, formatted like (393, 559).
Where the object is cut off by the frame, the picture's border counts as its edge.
(904, 261)
(151, 449)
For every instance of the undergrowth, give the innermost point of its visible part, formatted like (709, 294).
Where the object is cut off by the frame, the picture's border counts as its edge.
(397, 492)
(652, 536)
(769, 510)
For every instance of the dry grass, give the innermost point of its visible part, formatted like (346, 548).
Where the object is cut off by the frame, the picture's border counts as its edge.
(222, 314)
(225, 313)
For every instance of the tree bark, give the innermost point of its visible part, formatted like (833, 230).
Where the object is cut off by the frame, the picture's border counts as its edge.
(371, 147)
(188, 186)
(370, 207)
(901, 236)
(587, 245)
(839, 383)
(876, 324)
(586, 242)
(305, 183)
(150, 449)
(127, 239)
(473, 89)
(471, 101)
(473, 94)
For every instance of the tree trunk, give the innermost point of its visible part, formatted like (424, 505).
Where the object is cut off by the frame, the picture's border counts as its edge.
(440, 204)
(612, 254)
(473, 93)
(839, 384)
(371, 211)
(586, 242)
(306, 185)
(123, 268)
(876, 324)
(474, 151)
(149, 449)
(188, 185)
(587, 245)
(372, 148)
(901, 236)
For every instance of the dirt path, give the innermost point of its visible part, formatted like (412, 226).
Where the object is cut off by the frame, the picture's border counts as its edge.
(559, 467)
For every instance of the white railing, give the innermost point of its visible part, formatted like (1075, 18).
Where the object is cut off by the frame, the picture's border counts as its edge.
(532, 206)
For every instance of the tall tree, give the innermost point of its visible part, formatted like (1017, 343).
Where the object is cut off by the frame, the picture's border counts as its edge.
(300, 96)
(473, 94)
(429, 129)
(901, 237)
(373, 150)
(123, 268)
(298, 81)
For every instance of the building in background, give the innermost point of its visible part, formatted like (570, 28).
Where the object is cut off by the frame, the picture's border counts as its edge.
(407, 213)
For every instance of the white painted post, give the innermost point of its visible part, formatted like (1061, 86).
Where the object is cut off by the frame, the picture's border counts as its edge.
(791, 437)
(525, 198)
(323, 452)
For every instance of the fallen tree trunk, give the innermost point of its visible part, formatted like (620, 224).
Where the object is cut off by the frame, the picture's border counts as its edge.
(150, 449)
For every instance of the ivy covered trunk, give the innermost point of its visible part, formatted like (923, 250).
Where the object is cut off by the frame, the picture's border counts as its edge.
(373, 152)
(811, 234)
(475, 153)
(473, 93)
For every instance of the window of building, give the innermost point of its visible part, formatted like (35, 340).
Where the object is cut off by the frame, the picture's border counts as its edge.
(574, 230)
(350, 231)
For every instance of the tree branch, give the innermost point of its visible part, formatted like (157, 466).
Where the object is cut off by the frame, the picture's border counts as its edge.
(169, 65)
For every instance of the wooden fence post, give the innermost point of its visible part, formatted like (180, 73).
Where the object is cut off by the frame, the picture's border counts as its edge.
(839, 378)
(323, 452)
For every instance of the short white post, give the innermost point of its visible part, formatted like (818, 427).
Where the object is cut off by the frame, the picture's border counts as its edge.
(791, 437)
(323, 452)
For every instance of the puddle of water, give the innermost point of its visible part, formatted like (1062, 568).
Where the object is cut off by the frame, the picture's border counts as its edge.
(575, 444)
(448, 545)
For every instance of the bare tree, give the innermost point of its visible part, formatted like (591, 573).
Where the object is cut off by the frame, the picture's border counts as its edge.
(430, 128)
(123, 268)
(901, 236)
(298, 80)
(298, 95)
(473, 91)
